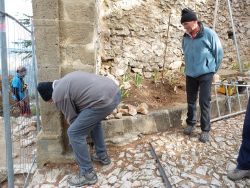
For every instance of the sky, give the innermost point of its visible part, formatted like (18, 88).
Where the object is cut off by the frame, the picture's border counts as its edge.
(17, 8)
(14, 32)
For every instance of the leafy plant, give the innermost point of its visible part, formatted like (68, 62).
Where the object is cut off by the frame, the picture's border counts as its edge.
(124, 92)
(24, 46)
(138, 80)
(33, 110)
(126, 78)
(247, 66)
(155, 76)
(235, 66)
(172, 79)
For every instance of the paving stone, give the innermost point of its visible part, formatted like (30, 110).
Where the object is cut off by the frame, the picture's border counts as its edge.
(241, 184)
(103, 179)
(52, 176)
(115, 172)
(228, 182)
(201, 170)
(130, 167)
(136, 184)
(139, 156)
(63, 181)
(216, 182)
(105, 186)
(128, 155)
(122, 154)
(126, 184)
(230, 165)
(219, 139)
(157, 182)
(119, 162)
(175, 179)
(112, 180)
(216, 176)
(48, 186)
(38, 178)
(127, 176)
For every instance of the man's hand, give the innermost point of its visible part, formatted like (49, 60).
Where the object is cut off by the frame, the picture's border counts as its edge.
(25, 86)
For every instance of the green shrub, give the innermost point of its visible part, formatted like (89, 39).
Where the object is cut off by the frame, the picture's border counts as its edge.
(138, 80)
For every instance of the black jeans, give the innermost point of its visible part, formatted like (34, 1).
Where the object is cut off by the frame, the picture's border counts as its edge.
(244, 153)
(201, 85)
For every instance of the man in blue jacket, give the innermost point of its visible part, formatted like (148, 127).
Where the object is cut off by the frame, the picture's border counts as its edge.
(19, 91)
(203, 54)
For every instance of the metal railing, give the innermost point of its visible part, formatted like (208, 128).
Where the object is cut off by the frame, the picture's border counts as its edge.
(231, 97)
(21, 127)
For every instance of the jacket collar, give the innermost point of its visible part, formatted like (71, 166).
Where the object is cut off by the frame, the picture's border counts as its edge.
(55, 82)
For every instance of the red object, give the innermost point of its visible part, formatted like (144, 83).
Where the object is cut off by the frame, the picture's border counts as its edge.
(2, 27)
(25, 109)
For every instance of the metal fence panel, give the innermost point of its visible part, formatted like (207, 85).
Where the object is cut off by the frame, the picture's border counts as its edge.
(230, 99)
(24, 123)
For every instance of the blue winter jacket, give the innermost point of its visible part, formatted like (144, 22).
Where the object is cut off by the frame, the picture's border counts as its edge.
(203, 54)
(17, 85)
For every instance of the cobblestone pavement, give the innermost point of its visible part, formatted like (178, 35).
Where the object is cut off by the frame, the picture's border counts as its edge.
(187, 162)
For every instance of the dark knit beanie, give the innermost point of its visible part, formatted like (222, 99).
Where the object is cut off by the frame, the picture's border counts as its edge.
(45, 90)
(188, 15)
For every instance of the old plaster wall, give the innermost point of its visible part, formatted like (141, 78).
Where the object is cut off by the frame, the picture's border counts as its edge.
(134, 33)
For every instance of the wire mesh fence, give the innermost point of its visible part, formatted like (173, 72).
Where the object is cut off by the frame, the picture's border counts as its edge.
(23, 102)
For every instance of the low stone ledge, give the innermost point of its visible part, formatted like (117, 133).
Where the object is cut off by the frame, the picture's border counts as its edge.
(118, 131)
(155, 121)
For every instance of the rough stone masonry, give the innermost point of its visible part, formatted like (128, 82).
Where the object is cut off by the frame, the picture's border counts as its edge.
(134, 33)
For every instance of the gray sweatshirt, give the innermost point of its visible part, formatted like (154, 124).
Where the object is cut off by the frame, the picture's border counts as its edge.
(79, 90)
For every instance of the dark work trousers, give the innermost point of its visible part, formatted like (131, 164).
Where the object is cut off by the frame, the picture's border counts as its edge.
(89, 121)
(201, 85)
(244, 153)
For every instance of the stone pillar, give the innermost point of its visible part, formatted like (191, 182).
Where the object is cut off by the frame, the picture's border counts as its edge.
(77, 35)
(65, 42)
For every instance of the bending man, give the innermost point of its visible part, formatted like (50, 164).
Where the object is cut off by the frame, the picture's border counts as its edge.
(85, 99)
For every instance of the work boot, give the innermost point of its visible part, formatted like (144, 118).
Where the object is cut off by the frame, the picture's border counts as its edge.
(83, 179)
(204, 137)
(238, 174)
(188, 130)
(104, 160)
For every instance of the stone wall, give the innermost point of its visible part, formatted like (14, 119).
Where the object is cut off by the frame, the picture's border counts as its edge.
(134, 33)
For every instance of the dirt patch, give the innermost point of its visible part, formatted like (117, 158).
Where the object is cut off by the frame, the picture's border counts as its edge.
(157, 95)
